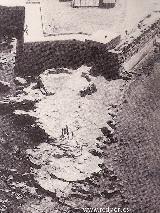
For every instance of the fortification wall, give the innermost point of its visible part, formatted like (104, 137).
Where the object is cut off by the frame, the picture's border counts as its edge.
(35, 57)
(12, 21)
(139, 42)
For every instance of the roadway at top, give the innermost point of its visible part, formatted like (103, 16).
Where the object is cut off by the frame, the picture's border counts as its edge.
(46, 18)
(60, 18)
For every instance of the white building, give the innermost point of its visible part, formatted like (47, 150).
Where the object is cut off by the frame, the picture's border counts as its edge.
(94, 3)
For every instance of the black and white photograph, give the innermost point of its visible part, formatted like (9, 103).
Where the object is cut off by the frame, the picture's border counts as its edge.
(79, 106)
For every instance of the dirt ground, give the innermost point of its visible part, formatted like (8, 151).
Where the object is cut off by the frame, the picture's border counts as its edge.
(129, 176)
(138, 129)
(130, 173)
(60, 18)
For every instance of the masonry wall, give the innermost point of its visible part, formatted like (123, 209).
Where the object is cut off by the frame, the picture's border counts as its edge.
(12, 21)
(142, 36)
(35, 57)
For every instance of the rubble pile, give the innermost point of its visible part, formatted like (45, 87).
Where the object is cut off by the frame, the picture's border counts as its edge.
(75, 110)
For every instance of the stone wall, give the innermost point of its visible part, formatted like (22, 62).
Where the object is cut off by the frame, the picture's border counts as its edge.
(35, 57)
(12, 21)
(139, 41)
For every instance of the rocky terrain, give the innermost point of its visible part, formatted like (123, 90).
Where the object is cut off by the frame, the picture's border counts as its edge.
(71, 141)
(40, 130)
(78, 151)
(67, 107)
